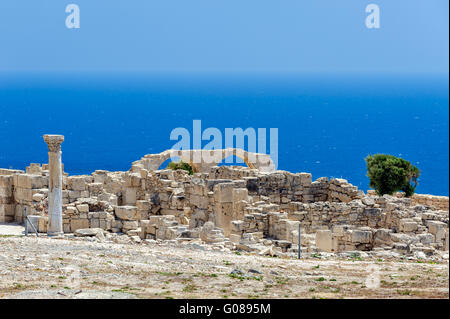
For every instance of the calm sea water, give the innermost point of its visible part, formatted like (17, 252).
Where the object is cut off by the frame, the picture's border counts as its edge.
(327, 124)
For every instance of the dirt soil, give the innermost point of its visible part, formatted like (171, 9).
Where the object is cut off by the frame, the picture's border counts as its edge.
(43, 267)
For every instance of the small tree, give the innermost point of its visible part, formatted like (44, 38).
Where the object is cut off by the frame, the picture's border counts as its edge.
(181, 165)
(389, 174)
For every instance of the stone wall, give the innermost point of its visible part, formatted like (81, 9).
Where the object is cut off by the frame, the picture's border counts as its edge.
(242, 207)
(434, 202)
(388, 223)
(19, 190)
(7, 204)
(438, 202)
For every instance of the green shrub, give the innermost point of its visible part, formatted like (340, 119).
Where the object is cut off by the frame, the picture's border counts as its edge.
(181, 165)
(389, 174)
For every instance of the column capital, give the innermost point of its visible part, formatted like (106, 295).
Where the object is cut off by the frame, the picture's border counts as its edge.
(54, 142)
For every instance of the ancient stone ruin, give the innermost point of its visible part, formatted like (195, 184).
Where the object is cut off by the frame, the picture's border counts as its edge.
(256, 208)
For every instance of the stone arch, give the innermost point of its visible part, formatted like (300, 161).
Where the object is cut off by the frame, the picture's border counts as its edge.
(239, 153)
(203, 160)
(258, 161)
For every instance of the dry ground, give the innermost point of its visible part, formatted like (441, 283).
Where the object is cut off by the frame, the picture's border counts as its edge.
(33, 267)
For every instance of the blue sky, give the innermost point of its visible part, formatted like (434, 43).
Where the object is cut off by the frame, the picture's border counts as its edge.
(164, 36)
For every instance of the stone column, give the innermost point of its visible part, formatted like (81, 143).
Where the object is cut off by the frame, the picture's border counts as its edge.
(55, 226)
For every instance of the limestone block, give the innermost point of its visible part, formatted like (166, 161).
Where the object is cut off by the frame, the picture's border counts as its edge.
(22, 181)
(155, 220)
(426, 239)
(199, 188)
(435, 226)
(403, 238)
(18, 214)
(151, 229)
(6, 191)
(339, 230)
(368, 201)
(144, 225)
(103, 224)
(256, 235)
(170, 233)
(305, 179)
(126, 212)
(66, 227)
(117, 224)
(239, 194)
(82, 215)
(164, 197)
(95, 188)
(361, 236)
(89, 232)
(99, 176)
(383, 235)
(6, 181)
(76, 183)
(23, 194)
(168, 223)
(65, 197)
(78, 224)
(6, 200)
(38, 181)
(7, 210)
(70, 210)
(130, 195)
(372, 212)
(223, 193)
(6, 219)
(401, 247)
(103, 215)
(237, 226)
(143, 215)
(343, 198)
(210, 234)
(83, 208)
(160, 234)
(38, 197)
(324, 240)
(407, 225)
(199, 201)
(224, 216)
(337, 243)
(292, 225)
(110, 198)
(133, 180)
(144, 205)
(94, 223)
(74, 195)
(129, 225)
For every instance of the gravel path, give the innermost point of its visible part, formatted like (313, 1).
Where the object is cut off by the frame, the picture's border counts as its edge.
(43, 267)
(11, 229)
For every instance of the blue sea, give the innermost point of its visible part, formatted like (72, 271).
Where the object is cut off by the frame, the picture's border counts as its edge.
(327, 124)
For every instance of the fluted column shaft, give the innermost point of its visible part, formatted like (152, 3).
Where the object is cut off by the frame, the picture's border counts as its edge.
(55, 225)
